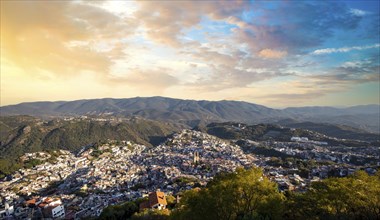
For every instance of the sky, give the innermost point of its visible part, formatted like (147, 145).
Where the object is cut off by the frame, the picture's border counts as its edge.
(274, 53)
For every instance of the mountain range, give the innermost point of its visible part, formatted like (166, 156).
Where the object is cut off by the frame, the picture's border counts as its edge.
(193, 113)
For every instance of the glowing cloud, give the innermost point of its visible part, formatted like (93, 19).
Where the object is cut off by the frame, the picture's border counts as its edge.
(273, 54)
(64, 50)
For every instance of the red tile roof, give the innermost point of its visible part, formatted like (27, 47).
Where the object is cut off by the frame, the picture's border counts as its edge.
(31, 202)
(154, 199)
(157, 198)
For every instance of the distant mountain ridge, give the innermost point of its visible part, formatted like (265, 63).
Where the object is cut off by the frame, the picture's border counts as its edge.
(359, 109)
(193, 112)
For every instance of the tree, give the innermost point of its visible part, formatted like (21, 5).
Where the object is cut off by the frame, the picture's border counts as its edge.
(155, 214)
(244, 194)
(123, 211)
(353, 197)
(171, 200)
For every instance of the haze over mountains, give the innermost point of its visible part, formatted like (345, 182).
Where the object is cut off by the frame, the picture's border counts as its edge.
(46, 126)
(191, 112)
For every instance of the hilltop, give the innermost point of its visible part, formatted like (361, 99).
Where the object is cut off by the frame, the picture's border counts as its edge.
(193, 113)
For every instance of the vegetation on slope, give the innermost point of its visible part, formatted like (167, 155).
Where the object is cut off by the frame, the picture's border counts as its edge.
(247, 194)
(156, 108)
(193, 112)
(258, 132)
(353, 197)
(339, 131)
(263, 132)
(27, 134)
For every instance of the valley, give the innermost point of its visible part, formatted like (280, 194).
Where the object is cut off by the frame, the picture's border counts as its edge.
(88, 159)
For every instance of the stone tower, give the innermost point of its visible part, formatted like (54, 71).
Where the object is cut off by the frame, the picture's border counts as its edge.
(196, 157)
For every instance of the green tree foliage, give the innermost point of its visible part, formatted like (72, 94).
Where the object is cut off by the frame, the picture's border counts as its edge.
(353, 197)
(244, 194)
(261, 132)
(247, 194)
(8, 166)
(152, 215)
(171, 200)
(116, 212)
(32, 163)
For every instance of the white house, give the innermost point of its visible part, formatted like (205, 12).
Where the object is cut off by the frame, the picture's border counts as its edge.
(7, 211)
(56, 211)
(52, 208)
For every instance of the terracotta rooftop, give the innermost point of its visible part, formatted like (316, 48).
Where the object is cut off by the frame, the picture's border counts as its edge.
(31, 202)
(41, 205)
(154, 198)
(157, 198)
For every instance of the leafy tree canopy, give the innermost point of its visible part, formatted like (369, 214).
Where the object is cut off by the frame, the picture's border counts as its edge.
(353, 197)
(244, 194)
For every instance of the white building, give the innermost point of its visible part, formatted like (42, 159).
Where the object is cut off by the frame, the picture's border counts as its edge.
(52, 208)
(57, 211)
(7, 211)
(301, 139)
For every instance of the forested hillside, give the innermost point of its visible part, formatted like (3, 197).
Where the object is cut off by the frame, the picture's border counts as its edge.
(23, 134)
(193, 112)
(314, 131)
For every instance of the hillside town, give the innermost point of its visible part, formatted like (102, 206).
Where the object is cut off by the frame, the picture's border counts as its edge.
(73, 186)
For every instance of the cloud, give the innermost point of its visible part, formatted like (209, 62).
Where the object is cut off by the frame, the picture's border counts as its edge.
(273, 54)
(347, 75)
(295, 98)
(352, 75)
(208, 55)
(344, 49)
(302, 89)
(358, 12)
(294, 27)
(63, 38)
(224, 77)
(291, 91)
(154, 80)
(164, 23)
(236, 69)
(197, 46)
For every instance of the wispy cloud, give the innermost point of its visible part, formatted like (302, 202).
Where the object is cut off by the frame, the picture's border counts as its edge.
(344, 49)
(186, 49)
(358, 12)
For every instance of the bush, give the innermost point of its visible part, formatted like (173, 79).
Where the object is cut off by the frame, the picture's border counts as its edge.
(123, 211)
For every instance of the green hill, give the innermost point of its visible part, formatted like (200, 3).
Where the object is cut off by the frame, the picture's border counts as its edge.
(339, 131)
(22, 134)
(259, 132)
(193, 112)
(313, 131)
